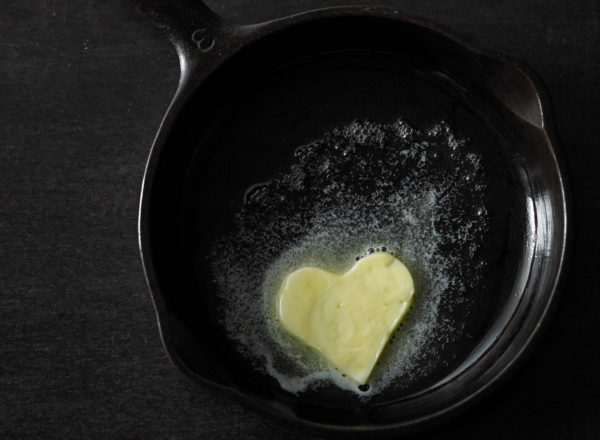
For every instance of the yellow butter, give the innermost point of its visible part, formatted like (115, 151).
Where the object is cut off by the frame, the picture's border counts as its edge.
(349, 317)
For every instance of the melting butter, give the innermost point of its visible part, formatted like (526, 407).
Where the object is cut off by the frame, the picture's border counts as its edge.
(349, 317)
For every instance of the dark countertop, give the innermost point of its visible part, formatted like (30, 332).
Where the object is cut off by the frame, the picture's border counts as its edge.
(83, 87)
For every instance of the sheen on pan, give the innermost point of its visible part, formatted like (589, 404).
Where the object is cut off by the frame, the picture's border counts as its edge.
(323, 137)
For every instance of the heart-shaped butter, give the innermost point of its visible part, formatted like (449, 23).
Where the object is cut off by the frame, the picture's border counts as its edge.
(349, 317)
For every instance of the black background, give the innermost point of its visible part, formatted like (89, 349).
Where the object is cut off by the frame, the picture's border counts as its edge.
(83, 87)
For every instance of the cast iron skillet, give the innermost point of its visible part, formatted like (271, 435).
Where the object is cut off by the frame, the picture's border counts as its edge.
(250, 94)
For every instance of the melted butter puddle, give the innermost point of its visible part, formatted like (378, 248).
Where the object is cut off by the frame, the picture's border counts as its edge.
(418, 192)
(348, 318)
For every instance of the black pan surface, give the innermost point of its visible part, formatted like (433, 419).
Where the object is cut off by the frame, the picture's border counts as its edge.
(303, 141)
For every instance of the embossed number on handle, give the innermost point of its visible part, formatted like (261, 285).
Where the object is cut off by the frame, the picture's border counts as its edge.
(202, 41)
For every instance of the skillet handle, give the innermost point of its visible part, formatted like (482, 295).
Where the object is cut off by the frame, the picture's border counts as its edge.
(197, 33)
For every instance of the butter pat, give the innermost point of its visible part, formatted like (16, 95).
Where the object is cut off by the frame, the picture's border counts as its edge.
(349, 317)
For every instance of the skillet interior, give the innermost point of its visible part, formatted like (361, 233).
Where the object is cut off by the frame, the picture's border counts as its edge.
(242, 125)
